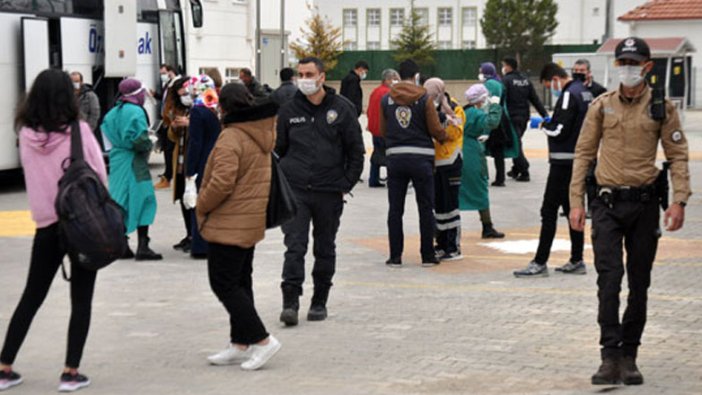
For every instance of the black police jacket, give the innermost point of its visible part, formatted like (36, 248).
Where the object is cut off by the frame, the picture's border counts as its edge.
(519, 92)
(564, 128)
(351, 89)
(320, 147)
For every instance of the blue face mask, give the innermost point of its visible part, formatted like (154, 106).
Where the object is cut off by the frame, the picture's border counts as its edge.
(556, 92)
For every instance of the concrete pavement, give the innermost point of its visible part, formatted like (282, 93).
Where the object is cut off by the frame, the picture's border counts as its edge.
(464, 327)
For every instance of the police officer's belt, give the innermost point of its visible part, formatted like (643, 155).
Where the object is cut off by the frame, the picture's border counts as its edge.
(644, 194)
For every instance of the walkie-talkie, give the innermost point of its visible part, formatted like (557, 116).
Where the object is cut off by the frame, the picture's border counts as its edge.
(657, 100)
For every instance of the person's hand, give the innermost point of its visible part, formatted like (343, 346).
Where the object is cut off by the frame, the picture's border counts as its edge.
(674, 217)
(577, 219)
(495, 99)
(181, 121)
(483, 138)
(190, 193)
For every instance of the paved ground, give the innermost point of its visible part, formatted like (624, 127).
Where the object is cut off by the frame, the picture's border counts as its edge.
(466, 327)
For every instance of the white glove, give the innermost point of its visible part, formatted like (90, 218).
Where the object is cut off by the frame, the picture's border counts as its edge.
(495, 100)
(483, 138)
(190, 193)
(553, 133)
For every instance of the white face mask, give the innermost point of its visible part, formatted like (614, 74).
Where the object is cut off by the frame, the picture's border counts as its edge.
(308, 86)
(630, 76)
(481, 77)
(76, 85)
(504, 71)
(364, 75)
(186, 100)
(394, 82)
(164, 78)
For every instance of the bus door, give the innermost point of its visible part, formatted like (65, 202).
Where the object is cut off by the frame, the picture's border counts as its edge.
(35, 48)
(170, 29)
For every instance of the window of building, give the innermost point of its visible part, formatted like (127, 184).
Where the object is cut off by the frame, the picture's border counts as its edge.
(350, 18)
(373, 45)
(350, 46)
(373, 16)
(470, 16)
(231, 74)
(445, 16)
(397, 16)
(445, 45)
(423, 16)
(468, 44)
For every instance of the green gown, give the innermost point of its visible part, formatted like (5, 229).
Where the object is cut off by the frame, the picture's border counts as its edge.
(473, 194)
(495, 88)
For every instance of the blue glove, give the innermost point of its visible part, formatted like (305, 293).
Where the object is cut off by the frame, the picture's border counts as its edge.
(535, 122)
(547, 119)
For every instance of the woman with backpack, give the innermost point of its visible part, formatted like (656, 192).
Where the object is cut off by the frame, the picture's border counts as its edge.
(126, 126)
(231, 212)
(45, 118)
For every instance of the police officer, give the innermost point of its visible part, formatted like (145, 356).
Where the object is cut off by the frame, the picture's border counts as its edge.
(562, 130)
(321, 153)
(621, 125)
(408, 121)
(519, 92)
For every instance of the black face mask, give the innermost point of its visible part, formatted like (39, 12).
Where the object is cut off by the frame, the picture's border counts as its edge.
(579, 77)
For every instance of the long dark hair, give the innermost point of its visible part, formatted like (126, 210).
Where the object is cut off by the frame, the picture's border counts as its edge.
(173, 97)
(51, 104)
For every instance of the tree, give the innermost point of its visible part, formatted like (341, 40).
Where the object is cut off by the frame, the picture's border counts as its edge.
(520, 26)
(322, 40)
(414, 41)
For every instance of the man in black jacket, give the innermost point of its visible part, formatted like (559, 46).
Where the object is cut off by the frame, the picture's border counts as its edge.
(287, 89)
(519, 92)
(581, 71)
(562, 131)
(321, 153)
(351, 85)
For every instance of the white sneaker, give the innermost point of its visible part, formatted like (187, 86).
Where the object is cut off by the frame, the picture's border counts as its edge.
(260, 354)
(229, 355)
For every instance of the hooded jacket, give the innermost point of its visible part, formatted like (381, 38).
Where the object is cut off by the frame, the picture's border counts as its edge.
(42, 155)
(408, 121)
(231, 206)
(320, 147)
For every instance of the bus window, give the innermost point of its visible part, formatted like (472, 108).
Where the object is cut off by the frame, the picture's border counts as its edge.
(196, 8)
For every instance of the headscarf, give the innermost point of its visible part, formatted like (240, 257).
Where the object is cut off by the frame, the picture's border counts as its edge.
(436, 89)
(203, 88)
(132, 91)
(476, 94)
(489, 71)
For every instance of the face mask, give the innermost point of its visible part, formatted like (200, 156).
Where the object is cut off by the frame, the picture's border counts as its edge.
(481, 77)
(186, 100)
(364, 75)
(579, 77)
(164, 78)
(437, 103)
(630, 76)
(504, 71)
(556, 91)
(394, 82)
(308, 86)
(76, 85)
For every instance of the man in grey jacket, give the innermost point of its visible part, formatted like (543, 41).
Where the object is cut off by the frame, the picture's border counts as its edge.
(87, 100)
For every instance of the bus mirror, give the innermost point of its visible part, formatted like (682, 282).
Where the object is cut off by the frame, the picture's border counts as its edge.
(196, 8)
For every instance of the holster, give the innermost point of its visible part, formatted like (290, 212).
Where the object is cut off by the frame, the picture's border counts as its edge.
(663, 186)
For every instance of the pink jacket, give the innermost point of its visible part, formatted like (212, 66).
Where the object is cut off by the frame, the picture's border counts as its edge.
(41, 155)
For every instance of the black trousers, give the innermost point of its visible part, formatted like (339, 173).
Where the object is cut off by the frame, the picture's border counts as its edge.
(47, 255)
(498, 155)
(556, 196)
(401, 170)
(230, 269)
(636, 226)
(323, 210)
(447, 183)
(167, 146)
(520, 164)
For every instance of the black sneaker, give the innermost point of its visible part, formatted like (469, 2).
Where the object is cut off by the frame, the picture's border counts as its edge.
(430, 261)
(573, 268)
(533, 269)
(450, 256)
(394, 262)
(183, 245)
(498, 183)
(523, 177)
(73, 382)
(9, 379)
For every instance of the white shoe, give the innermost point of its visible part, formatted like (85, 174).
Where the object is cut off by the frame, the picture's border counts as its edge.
(229, 355)
(260, 354)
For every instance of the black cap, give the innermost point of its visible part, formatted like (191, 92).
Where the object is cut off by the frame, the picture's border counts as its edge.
(633, 48)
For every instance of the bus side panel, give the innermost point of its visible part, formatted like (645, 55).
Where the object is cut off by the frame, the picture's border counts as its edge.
(148, 64)
(84, 49)
(11, 68)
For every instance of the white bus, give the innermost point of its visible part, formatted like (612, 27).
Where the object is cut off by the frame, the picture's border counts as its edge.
(73, 35)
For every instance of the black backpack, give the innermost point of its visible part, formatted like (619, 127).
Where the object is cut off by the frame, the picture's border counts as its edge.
(91, 224)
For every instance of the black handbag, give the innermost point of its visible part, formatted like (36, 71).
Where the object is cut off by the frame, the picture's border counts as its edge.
(281, 202)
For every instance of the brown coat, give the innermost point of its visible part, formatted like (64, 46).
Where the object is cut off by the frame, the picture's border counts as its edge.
(231, 206)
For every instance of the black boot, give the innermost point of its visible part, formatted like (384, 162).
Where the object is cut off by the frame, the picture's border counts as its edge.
(629, 372)
(291, 305)
(128, 253)
(144, 253)
(491, 233)
(318, 309)
(608, 373)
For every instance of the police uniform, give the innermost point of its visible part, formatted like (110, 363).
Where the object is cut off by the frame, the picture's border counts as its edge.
(626, 211)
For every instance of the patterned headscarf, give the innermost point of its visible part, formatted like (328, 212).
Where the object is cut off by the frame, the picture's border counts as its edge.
(436, 89)
(132, 91)
(489, 71)
(476, 94)
(203, 88)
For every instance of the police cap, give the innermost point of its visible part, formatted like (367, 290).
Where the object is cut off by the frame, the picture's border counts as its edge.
(633, 48)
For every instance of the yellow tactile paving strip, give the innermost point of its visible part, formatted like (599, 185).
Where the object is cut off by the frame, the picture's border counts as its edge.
(16, 224)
